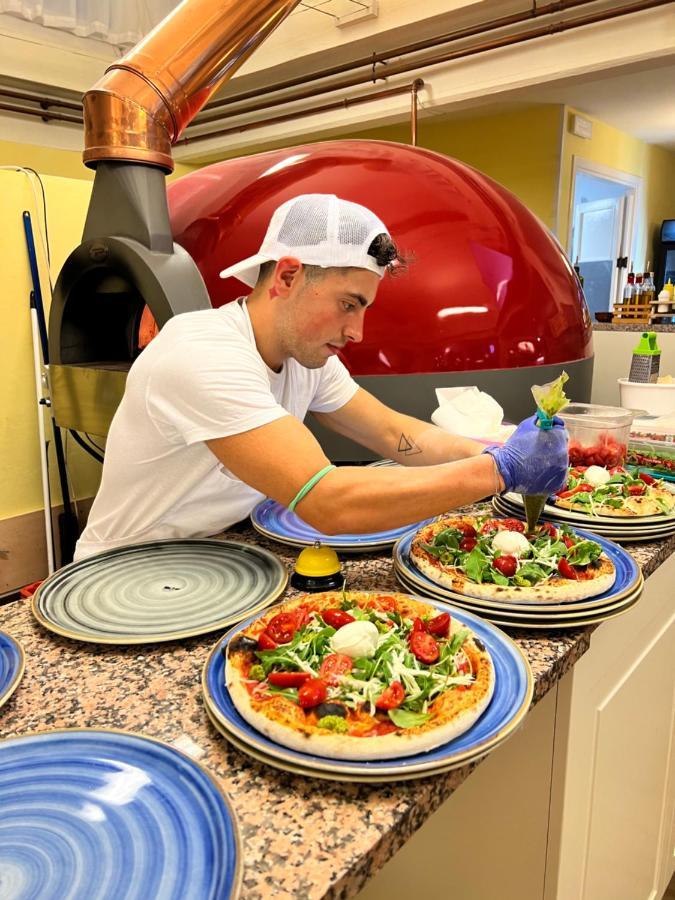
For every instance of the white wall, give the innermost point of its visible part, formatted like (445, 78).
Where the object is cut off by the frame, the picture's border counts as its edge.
(613, 351)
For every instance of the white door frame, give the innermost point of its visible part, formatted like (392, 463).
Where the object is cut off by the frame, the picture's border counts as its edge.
(631, 239)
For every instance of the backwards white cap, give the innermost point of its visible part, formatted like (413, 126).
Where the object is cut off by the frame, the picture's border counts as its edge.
(319, 230)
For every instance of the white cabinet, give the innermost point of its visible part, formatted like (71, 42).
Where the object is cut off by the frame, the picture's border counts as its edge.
(613, 791)
(580, 803)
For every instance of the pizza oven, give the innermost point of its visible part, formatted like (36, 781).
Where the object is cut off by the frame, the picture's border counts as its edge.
(489, 297)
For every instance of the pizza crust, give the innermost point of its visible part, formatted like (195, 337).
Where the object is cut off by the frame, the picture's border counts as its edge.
(284, 722)
(556, 589)
(633, 506)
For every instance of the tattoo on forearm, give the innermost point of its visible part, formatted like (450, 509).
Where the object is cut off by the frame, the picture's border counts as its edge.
(407, 446)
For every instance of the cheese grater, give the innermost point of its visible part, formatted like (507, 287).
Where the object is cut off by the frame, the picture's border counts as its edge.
(644, 366)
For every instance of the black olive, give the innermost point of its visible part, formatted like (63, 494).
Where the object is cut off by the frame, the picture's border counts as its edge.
(241, 643)
(478, 643)
(331, 709)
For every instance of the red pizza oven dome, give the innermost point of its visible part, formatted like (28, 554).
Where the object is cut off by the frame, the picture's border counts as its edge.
(488, 286)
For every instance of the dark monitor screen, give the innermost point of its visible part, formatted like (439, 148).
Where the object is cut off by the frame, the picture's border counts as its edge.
(668, 230)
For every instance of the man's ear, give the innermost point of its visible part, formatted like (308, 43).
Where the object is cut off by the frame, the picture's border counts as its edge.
(286, 272)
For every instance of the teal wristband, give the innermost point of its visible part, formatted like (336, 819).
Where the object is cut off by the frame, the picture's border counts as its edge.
(302, 493)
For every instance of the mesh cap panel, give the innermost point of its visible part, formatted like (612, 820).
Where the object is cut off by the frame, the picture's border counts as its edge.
(319, 230)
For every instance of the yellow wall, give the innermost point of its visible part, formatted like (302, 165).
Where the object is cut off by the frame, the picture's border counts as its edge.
(519, 148)
(67, 201)
(65, 163)
(629, 155)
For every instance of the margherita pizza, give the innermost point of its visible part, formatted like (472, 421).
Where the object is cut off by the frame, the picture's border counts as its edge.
(494, 559)
(359, 675)
(598, 491)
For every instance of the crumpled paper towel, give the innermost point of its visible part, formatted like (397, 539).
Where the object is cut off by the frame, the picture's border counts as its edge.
(470, 412)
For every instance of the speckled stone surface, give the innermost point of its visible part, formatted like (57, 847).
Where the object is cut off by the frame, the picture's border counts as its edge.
(610, 326)
(301, 837)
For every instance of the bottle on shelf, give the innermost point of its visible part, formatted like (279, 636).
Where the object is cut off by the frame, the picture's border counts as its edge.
(629, 288)
(648, 289)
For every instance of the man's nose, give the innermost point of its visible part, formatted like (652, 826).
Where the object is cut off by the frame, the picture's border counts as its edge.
(354, 331)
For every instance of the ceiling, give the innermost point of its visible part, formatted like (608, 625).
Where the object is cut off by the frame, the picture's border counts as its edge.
(628, 88)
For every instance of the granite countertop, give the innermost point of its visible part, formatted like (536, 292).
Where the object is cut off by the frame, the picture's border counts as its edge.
(301, 837)
(625, 326)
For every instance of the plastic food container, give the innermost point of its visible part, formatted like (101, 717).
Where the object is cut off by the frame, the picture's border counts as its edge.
(598, 434)
(657, 456)
(657, 399)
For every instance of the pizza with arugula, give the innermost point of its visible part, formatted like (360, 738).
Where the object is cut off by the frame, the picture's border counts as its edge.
(359, 675)
(602, 491)
(494, 559)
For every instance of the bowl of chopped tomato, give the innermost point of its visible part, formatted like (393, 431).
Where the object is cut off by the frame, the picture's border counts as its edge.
(598, 434)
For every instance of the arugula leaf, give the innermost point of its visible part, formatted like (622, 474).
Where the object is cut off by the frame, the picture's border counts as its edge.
(475, 565)
(449, 537)
(497, 577)
(583, 553)
(405, 718)
(530, 574)
(583, 497)
(614, 502)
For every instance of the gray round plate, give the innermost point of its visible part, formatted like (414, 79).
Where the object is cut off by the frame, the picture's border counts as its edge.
(159, 591)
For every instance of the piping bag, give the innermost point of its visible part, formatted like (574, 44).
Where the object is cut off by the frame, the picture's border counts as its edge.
(550, 399)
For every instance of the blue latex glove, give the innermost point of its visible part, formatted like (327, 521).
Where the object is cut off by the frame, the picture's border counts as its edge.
(534, 460)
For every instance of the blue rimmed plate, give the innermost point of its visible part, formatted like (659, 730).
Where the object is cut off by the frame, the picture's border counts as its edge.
(627, 580)
(274, 521)
(12, 663)
(91, 814)
(510, 702)
(159, 591)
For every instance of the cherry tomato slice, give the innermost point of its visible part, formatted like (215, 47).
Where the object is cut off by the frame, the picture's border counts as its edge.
(302, 617)
(566, 570)
(335, 664)
(418, 625)
(512, 525)
(643, 476)
(547, 528)
(467, 530)
(467, 544)
(282, 628)
(336, 618)
(288, 679)
(391, 697)
(490, 525)
(312, 692)
(265, 642)
(385, 604)
(635, 490)
(568, 542)
(507, 565)
(439, 626)
(424, 647)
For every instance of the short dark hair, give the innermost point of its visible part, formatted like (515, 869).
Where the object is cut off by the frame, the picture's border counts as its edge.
(383, 250)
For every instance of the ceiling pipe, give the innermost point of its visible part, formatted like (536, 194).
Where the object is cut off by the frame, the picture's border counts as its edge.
(42, 113)
(47, 101)
(452, 55)
(411, 89)
(532, 12)
(140, 106)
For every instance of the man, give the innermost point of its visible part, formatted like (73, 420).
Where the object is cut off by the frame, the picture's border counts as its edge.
(212, 417)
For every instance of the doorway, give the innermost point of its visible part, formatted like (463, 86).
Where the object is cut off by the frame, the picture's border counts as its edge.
(602, 231)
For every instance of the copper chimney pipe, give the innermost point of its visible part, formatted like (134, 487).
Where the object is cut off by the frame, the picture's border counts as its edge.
(141, 105)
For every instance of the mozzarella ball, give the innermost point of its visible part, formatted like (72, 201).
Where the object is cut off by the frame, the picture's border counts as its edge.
(510, 543)
(356, 639)
(596, 475)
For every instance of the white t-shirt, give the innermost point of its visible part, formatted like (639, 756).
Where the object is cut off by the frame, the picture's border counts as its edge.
(201, 378)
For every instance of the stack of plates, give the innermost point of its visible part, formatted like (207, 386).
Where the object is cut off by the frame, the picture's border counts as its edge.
(274, 521)
(87, 813)
(11, 666)
(510, 702)
(161, 591)
(623, 530)
(623, 594)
